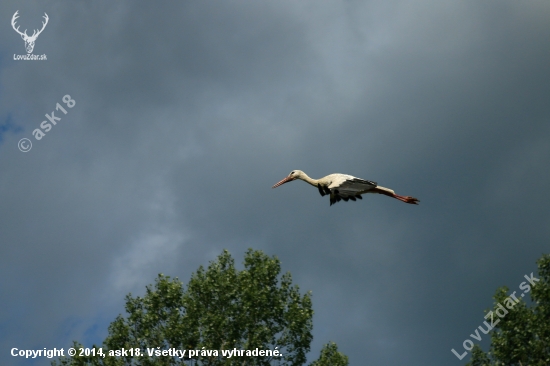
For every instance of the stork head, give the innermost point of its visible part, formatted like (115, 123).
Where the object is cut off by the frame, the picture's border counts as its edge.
(295, 174)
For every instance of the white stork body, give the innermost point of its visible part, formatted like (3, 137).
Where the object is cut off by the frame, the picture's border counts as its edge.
(344, 187)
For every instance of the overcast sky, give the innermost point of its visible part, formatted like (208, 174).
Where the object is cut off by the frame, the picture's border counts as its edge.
(188, 112)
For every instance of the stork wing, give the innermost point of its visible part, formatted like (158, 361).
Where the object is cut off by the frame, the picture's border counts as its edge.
(357, 183)
(349, 189)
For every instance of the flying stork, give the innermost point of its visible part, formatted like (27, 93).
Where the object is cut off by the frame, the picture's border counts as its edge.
(344, 187)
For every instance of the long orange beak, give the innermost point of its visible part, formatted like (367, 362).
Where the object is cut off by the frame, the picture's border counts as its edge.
(287, 179)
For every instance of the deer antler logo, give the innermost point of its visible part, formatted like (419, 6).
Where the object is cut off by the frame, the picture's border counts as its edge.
(29, 41)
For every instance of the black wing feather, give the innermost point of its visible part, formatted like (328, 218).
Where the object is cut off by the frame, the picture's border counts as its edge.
(359, 180)
(336, 195)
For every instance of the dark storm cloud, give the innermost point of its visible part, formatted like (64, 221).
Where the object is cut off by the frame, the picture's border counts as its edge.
(186, 114)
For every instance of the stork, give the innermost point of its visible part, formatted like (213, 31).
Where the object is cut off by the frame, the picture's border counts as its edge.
(344, 187)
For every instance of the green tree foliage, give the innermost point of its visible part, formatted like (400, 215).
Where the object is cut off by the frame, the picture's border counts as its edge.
(522, 337)
(331, 357)
(221, 309)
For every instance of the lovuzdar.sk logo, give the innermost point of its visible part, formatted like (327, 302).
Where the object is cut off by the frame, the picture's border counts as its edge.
(29, 40)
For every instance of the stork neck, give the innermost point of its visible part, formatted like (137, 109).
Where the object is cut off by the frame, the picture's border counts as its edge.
(309, 180)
